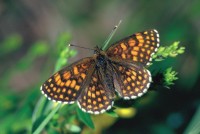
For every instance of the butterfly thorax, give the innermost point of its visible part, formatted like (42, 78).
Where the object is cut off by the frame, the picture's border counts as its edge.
(103, 66)
(101, 59)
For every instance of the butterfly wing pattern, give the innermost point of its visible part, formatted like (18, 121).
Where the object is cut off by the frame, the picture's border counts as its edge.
(92, 81)
(138, 47)
(133, 81)
(66, 85)
(95, 99)
(137, 50)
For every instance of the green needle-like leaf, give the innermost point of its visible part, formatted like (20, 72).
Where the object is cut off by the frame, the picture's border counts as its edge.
(85, 118)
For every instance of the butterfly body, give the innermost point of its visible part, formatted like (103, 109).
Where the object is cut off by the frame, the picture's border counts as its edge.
(93, 81)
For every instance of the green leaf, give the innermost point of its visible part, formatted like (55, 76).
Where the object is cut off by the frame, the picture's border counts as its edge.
(85, 118)
(73, 128)
(112, 113)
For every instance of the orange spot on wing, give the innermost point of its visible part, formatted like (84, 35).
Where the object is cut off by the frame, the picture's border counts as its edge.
(140, 44)
(77, 87)
(93, 95)
(68, 83)
(94, 79)
(128, 79)
(94, 102)
(123, 46)
(74, 94)
(148, 52)
(136, 48)
(99, 99)
(61, 96)
(123, 56)
(97, 93)
(84, 104)
(144, 81)
(133, 77)
(57, 77)
(139, 37)
(134, 73)
(72, 85)
(58, 91)
(135, 58)
(131, 42)
(84, 66)
(67, 75)
(89, 93)
(104, 97)
(137, 89)
(101, 105)
(62, 84)
(134, 52)
(89, 106)
(67, 98)
(138, 83)
(64, 90)
(69, 91)
(132, 84)
(107, 102)
(83, 75)
(89, 101)
(75, 70)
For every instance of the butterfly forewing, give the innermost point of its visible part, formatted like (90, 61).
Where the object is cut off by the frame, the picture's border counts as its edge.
(67, 84)
(95, 99)
(138, 47)
(133, 80)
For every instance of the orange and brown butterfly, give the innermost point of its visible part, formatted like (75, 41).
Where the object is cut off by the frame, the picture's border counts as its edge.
(92, 82)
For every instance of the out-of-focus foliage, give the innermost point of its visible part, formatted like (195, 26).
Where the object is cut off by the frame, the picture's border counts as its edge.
(33, 44)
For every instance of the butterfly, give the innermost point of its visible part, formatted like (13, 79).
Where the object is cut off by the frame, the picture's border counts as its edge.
(93, 82)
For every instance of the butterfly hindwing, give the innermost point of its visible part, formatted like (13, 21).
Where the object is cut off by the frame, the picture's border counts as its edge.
(138, 47)
(67, 84)
(95, 99)
(133, 81)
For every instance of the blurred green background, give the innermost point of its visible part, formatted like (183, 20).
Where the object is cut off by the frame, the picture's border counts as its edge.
(30, 34)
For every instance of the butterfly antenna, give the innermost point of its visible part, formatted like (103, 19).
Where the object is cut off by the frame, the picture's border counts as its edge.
(110, 36)
(80, 47)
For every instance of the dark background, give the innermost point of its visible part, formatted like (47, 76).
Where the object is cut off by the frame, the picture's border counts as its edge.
(27, 25)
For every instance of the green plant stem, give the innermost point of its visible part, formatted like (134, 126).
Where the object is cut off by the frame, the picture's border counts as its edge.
(110, 36)
(47, 119)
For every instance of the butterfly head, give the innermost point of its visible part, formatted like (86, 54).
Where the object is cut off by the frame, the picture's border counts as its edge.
(97, 50)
